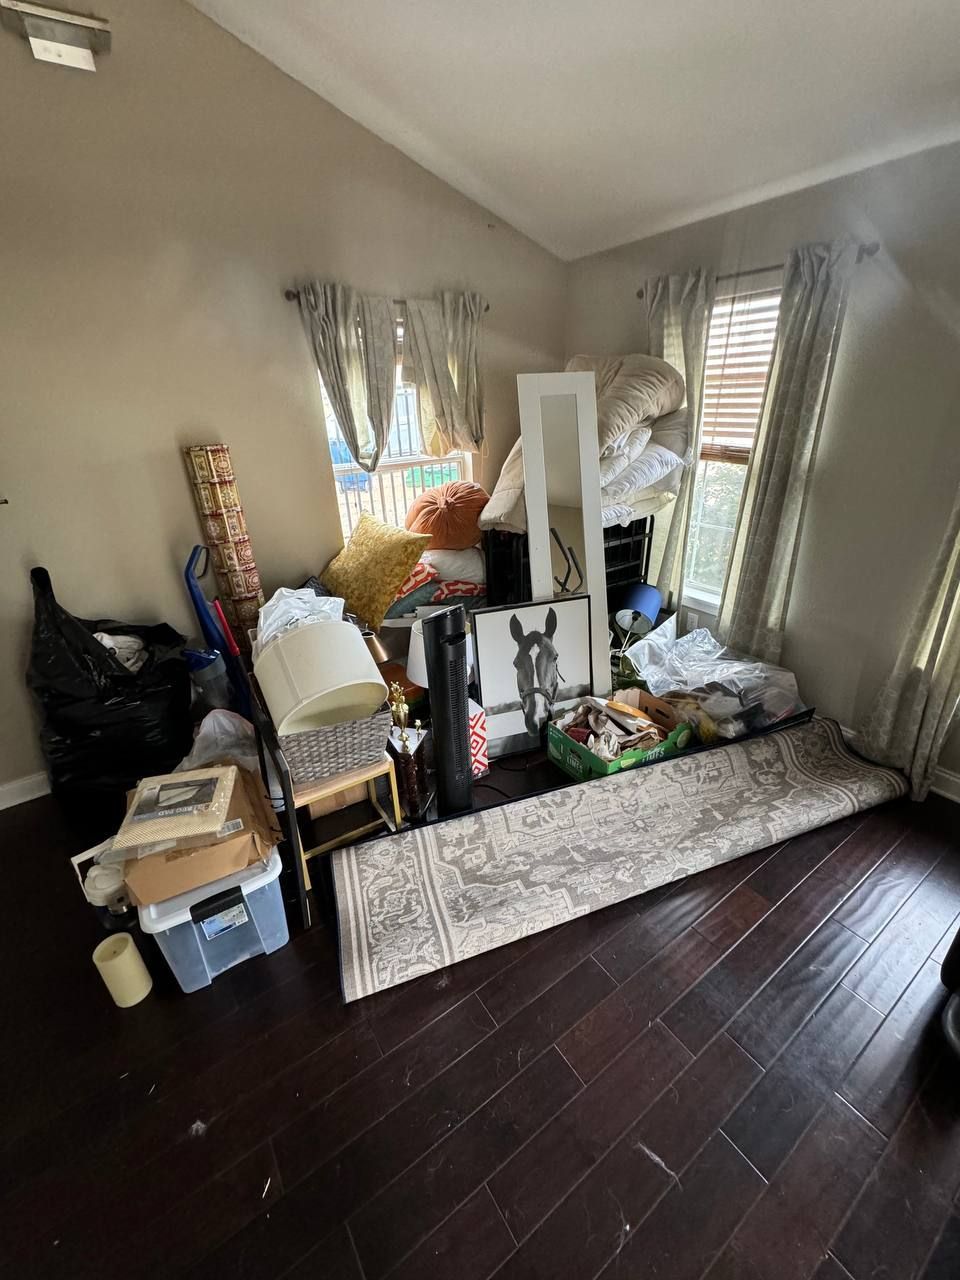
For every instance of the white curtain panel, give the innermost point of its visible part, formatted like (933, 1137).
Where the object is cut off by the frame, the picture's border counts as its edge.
(443, 351)
(463, 315)
(920, 701)
(378, 327)
(678, 315)
(358, 373)
(759, 581)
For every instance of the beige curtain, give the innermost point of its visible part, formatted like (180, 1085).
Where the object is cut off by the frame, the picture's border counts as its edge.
(678, 316)
(759, 580)
(462, 317)
(442, 341)
(920, 701)
(354, 343)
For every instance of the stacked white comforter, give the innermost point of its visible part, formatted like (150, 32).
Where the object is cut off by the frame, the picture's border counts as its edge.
(643, 437)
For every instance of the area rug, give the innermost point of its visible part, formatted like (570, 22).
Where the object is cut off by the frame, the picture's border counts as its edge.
(421, 900)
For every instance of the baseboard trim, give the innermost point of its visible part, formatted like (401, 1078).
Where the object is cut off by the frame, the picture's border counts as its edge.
(947, 783)
(20, 790)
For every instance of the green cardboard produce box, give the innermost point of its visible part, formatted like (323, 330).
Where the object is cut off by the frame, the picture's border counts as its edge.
(581, 763)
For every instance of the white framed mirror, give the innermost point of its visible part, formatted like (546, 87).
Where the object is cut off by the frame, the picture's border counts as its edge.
(561, 483)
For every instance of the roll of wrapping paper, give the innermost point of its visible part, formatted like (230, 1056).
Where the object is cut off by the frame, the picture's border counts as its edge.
(125, 975)
(225, 533)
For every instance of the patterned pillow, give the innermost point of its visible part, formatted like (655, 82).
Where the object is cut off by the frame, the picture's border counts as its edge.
(372, 567)
(419, 576)
(457, 587)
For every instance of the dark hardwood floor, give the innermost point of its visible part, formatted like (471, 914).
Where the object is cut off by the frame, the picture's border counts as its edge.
(738, 1077)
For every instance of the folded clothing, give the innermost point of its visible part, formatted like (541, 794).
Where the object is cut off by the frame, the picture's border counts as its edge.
(129, 651)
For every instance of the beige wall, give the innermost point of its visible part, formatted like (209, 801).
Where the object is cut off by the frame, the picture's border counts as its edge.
(889, 461)
(150, 216)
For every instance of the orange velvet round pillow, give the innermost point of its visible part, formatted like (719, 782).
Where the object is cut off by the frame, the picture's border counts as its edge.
(449, 514)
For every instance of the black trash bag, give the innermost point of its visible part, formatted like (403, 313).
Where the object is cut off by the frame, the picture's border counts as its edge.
(103, 728)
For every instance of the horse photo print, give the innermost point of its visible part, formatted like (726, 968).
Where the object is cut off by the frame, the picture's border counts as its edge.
(532, 660)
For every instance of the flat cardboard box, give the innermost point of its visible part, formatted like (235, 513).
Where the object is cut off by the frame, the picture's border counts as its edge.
(164, 874)
(655, 709)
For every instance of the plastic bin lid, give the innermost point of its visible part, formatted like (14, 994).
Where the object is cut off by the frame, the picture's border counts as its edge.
(158, 917)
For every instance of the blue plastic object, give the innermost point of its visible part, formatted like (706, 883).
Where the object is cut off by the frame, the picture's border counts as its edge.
(210, 628)
(198, 659)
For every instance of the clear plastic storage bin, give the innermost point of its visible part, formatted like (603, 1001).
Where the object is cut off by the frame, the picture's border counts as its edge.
(209, 930)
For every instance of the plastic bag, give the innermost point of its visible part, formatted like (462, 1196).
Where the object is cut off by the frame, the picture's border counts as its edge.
(287, 609)
(103, 728)
(223, 737)
(226, 738)
(734, 695)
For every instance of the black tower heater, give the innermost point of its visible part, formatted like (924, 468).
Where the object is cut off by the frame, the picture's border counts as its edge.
(445, 651)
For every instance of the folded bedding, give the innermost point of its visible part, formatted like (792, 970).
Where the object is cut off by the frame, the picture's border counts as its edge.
(643, 438)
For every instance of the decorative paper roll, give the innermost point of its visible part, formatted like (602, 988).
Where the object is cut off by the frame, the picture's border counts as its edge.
(122, 970)
(225, 533)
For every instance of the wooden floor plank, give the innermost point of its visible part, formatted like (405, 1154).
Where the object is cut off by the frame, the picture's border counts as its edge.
(889, 964)
(687, 1229)
(340, 1185)
(607, 1029)
(470, 1245)
(885, 1078)
(786, 1233)
(780, 1008)
(514, 987)
(944, 1263)
(544, 1171)
(376, 1092)
(719, 996)
(775, 1113)
(588, 1228)
(429, 1190)
(884, 891)
(411, 1114)
(660, 920)
(907, 1198)
(684, 1117)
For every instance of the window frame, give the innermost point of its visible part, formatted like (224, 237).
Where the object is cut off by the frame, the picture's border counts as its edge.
(351, 479)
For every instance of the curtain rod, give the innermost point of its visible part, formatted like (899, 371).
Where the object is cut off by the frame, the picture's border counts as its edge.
(293, 295)
(863, 251)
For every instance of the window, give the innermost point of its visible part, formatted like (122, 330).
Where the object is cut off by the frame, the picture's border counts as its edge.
(404, 470)
(740, 342)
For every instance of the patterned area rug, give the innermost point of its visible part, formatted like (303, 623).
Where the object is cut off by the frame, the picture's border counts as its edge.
(430, 896)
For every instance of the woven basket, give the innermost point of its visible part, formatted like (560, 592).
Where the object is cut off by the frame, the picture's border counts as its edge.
(336, 748)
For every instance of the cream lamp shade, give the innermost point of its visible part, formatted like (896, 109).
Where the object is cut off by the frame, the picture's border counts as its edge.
(417, 661)
(319, 674)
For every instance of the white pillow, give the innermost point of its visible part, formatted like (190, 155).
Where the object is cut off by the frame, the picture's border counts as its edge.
(457, 566)
(652, 465)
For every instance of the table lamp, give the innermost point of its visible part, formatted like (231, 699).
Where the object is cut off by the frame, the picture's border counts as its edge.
(416, 658)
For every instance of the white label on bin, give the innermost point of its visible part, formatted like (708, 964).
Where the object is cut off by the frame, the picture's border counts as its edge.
(224, 921)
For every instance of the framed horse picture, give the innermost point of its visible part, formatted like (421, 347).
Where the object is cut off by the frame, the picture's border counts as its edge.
(532, 661)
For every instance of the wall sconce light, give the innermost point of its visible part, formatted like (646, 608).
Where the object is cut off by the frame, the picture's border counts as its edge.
(70, 39)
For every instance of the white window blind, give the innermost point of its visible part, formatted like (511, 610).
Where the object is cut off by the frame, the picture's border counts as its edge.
(740, 342)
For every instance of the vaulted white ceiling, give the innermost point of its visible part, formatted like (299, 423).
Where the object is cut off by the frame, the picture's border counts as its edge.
(587, 125)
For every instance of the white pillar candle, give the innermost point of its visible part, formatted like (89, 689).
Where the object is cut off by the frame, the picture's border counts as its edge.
(120, 966)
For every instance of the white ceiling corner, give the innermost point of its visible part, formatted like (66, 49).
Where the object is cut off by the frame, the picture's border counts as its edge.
(588, 126)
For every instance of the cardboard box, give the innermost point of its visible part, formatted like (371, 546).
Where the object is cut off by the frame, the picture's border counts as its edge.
(581, 763)
(171, 871)
(655, 709)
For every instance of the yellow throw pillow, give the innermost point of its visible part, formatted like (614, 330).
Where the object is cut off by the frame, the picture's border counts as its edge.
(372, 567)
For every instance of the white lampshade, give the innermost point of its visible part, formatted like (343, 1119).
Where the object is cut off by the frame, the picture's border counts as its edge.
(417, 661)
(317, 675)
